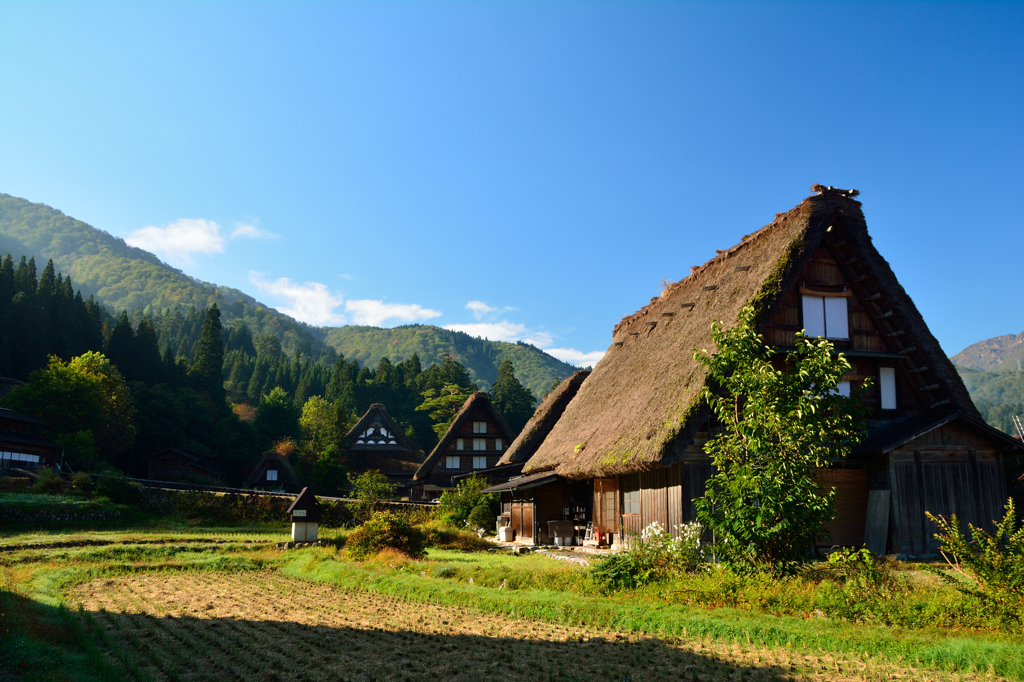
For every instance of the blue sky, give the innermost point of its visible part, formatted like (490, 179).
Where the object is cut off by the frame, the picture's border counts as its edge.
(525, 170)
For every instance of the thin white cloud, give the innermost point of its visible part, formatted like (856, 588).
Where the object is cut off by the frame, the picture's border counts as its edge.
(503, 331)
(310, 302)
(375, 313)
(179, 240)
(575, 357)
(479, 309)
(252, 231)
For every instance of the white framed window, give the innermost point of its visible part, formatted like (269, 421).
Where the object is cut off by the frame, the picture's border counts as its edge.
(479, 427)
(271, 474)
(460, 444)
(479, 443)
(479, 462)
(887, 386)
(498, 444)
(826, 316)
(843, 389)
(451, 462)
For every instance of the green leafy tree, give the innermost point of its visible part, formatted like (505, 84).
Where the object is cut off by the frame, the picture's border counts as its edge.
(371, 490)
(276, 418)
(456, 505)
(320, 429)
(87, 394)
(779, 423)
(443, 405)
(511, 398)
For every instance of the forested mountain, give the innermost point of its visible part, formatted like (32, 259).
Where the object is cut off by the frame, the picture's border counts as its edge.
(534, 368)
(993, 355)
(122, 277)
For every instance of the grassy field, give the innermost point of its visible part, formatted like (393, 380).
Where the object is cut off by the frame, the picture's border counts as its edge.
(167, 603)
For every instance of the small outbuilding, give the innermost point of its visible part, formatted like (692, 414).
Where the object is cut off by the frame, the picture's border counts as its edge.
(19, 448)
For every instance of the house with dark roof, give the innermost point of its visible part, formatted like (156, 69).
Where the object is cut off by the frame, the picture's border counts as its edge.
(378, 443)
(20, 448)
(274, 472)
(180, 464)
(635, 429)
(475, 441)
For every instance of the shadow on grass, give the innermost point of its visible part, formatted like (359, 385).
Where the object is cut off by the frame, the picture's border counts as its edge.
(45, 643)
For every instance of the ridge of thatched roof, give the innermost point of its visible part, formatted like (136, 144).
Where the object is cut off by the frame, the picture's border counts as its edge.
(641, 404)
(478, 399)
(544, 419)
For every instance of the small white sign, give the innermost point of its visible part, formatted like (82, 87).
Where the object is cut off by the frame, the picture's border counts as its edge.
(299, 512)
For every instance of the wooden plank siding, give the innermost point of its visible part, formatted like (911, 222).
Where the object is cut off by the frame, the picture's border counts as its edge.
(851, 504)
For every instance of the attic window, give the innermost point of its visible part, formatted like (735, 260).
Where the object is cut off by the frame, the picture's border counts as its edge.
(826, 316)
(479, 427)
(452, 462)
(497, 444)
(271, 474)
(460, 444)
(742, 268)
(479, 443)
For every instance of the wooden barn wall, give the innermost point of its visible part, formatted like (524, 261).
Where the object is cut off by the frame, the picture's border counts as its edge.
(851, 504)
(967, 483)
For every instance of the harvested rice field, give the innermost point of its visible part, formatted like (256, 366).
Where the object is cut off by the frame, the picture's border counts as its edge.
(260, 625)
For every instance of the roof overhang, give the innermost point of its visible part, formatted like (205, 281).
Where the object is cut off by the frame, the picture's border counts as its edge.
(895, 434)
(524, 483)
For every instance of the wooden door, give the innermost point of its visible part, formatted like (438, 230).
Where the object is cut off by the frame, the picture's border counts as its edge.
(527, 520)
(606, 504)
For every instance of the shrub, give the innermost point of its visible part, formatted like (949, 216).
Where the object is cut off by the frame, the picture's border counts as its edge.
(11, 483)
(384, 530)
(482, 517)
(993, 565)
(652, 557)
(443, 537)
(456, 505)
(81, 483)
(119, 489)
(49, 482)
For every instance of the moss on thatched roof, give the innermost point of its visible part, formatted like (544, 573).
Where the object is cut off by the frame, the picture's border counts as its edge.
(544, 419)
(640, 406)
(478, 401)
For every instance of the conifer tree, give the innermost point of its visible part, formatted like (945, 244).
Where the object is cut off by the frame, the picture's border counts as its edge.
(511, 398)
(208, 363)
(121, 347)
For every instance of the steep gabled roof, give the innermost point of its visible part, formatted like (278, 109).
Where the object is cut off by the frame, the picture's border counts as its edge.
(286, 474)
(377, 412)
(480, 400)
(640, 406)
(544, 419)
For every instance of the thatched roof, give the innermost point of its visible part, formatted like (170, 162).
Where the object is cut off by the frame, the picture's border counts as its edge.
(478, 401)
(544, 419)
(640, 406)
(286, 475)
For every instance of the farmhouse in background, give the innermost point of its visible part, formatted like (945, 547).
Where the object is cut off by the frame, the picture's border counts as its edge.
(19, 448)
(633, 434)
(180, 464)
(273, 473)
(378, 443)
(475, 441)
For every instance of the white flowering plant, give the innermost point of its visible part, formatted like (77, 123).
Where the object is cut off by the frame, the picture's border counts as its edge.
(655, 555)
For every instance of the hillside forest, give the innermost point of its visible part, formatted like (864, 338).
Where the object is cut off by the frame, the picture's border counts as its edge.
(116, 389)
(122, 277)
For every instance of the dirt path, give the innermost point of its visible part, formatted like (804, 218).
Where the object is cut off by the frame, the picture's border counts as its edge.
(261, 626)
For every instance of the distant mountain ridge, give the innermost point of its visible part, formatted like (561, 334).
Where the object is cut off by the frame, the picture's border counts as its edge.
(993, 355)
(123, 277)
